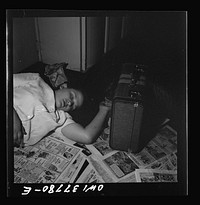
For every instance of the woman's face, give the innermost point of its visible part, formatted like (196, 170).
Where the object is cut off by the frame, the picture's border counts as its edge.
(68, 99)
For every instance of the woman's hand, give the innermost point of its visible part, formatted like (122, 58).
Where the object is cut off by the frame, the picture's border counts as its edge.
(18, 130)
(105, 105)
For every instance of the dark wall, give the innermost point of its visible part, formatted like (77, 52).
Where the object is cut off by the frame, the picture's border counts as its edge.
(157, 27)
(158, 39)
(24, 49)
(157, 35)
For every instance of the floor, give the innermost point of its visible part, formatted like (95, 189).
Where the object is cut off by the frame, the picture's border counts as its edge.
(56, 159)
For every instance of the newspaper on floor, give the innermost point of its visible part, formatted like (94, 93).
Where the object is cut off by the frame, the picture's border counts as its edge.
(101, 159)
(56, 159)
(152, 175)
(160, 153)
(113, 165)
(48, 161)
(89, 175)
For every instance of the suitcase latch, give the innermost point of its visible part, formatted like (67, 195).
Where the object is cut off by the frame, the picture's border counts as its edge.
(135, 94)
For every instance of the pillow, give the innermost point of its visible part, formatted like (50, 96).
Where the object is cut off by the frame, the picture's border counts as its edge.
(56, 75)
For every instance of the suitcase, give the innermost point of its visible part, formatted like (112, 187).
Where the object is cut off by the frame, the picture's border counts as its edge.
(132, 121)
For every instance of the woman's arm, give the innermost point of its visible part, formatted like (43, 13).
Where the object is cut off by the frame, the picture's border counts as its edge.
(18, 130)
(91, 132)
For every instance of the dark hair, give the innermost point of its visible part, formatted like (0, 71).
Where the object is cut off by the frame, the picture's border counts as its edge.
(82, 91)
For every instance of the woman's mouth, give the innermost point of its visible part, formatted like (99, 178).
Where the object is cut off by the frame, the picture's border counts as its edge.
(65, 103)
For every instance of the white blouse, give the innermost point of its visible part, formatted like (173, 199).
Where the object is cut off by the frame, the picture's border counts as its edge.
(34, 102)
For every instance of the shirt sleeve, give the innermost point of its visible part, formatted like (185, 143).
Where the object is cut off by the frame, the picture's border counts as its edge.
(21, 79)
(68, 121)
